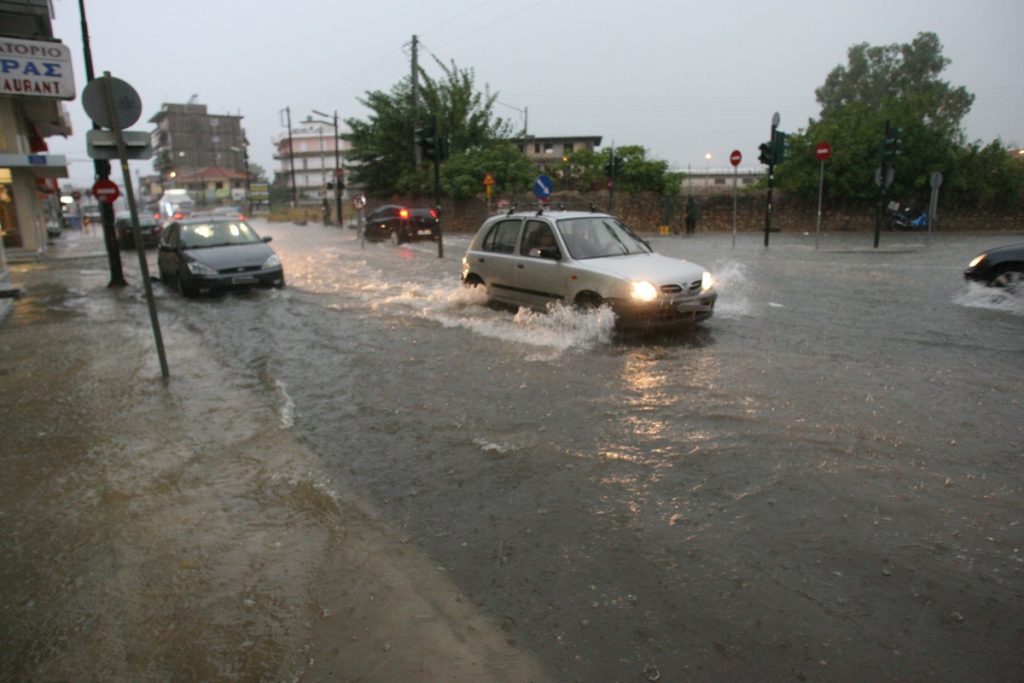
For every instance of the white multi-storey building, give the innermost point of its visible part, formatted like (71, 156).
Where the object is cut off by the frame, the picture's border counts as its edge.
(310, 159)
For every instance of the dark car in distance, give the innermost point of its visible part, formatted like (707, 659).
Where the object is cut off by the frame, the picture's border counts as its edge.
(149, 229)
(207, 254)
(999, 267)
(401, 224)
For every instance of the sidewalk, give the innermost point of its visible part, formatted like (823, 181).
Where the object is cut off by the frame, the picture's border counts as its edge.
(180, 531)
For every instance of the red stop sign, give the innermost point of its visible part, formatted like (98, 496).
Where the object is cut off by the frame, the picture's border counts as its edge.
(106, 191)
(735, 158)
(823, 151)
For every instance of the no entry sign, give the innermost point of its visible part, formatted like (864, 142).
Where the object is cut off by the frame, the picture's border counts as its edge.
(106, 191)
(735, 158)
(823, 151)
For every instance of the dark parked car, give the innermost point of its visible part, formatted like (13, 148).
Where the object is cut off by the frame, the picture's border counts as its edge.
(149, 228)
(199, 255)
(999, 267)
(401, 224)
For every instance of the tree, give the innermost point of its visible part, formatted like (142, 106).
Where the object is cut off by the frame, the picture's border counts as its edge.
(584, 171)
(896, 83)
(382, 145)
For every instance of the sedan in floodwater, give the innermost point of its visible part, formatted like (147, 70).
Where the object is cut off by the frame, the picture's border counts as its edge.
(585, 259)
(199, 255)
(999, 267)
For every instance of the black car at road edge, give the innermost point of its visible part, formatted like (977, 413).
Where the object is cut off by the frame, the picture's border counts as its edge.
(998, 267)
(401, 224)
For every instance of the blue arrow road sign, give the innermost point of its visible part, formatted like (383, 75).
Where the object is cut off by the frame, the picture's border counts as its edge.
(542, 186)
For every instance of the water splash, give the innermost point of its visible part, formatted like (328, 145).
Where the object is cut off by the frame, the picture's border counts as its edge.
(976, 295)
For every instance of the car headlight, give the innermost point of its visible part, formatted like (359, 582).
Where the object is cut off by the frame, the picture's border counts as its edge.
(643, 291)
(197, 268)
(706, 281)
(976, 261)
(272, 261)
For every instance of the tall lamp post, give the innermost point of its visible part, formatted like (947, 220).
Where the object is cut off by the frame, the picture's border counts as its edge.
(337, 156)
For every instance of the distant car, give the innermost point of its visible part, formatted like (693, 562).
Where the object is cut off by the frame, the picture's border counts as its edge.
(149, 228)
(199, 255)
(53, 229)
(999, 267)
(401, 224)
(585, 259)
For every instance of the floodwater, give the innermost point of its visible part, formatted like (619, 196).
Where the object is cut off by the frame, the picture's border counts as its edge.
(822, 482)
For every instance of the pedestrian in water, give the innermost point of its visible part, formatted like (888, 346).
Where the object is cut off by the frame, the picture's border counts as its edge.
(692, 214)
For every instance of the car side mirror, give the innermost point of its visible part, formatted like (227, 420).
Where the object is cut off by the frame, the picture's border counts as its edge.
(267, 238)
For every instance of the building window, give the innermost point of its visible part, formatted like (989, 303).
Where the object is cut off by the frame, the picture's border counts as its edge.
(219, 185)
(536, 148)
(215, 139)
(719, 181)
(214, 123)
(549, 148)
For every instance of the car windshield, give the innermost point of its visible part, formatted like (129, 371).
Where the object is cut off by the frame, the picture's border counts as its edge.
(217, 234)
(597, 237)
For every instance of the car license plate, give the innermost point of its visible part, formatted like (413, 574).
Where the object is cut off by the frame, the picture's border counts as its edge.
(423, 232)
(243, 280)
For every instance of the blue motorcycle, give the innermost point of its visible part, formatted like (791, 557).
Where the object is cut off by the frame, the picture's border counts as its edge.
(903, 220)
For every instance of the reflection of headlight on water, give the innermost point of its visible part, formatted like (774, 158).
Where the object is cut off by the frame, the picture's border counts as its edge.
(706, 281)
(643, 291)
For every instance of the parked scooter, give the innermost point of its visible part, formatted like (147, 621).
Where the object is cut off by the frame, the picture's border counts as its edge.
(903, 218)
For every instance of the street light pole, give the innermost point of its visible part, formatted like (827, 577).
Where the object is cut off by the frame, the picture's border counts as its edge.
(337, 163)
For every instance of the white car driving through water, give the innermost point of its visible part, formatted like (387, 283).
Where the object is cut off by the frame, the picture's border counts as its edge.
(585, 259)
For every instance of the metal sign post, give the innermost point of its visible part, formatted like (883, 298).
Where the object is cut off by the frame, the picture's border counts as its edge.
(823, 151)
(735, 158)
(933, 204)
(140, 248)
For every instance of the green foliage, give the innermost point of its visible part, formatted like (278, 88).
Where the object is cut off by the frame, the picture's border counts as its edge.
(383, 143)
(585, 172)
(462, 176)
(900, 84)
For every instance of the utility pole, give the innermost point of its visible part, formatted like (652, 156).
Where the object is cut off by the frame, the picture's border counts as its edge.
(102, 172)
(291, 155)
(417, 155)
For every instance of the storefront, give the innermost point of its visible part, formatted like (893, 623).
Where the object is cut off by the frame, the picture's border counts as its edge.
(35, 77)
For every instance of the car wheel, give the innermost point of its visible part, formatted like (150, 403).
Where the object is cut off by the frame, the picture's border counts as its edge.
(588, 301)
(397, 237)
(472, 282)
(1010, 276)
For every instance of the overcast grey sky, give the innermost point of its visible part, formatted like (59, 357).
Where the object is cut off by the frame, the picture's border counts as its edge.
(681, 79)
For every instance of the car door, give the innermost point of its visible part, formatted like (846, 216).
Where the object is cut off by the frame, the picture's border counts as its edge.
(539, 274)
(496, 258)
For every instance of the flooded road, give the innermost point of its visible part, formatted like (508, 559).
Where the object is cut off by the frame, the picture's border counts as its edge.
(822, 482)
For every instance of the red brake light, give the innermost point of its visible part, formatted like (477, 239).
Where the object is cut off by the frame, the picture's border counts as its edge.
(433, 213)
(156, 216)
(404, 213)
(178, 215)
(241, 216)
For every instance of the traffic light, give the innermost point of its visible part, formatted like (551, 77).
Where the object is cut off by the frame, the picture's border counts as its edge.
(426, 138)
(891, 143)
(613, 166)
(767, 155)
(779, 147)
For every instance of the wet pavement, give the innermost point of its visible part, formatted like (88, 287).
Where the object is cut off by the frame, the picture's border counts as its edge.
(371, 475)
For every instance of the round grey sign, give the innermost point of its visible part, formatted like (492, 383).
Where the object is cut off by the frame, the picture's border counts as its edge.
(936, 180)
(127, 103)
